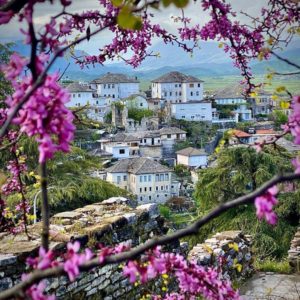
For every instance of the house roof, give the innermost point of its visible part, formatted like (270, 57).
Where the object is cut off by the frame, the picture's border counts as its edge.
(190, 151)
(138, 165)
(240, 133)
(123, 137)
(170, 130)
(235, 91)
(265, 131)
(78, 87)
(176, 77)
(115, 78)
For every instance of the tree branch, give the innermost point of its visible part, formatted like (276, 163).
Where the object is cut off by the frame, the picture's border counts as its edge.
(285, 60)
(38, 275)
(45, 208)
(14, 5)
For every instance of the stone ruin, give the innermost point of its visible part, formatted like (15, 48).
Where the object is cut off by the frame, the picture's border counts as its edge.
(229, 250)
(110, 222)
(294, 252)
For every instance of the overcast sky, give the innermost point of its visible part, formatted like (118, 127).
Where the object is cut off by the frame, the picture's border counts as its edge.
(45, 11)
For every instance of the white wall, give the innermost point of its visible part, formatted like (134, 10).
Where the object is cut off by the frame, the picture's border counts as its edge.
(195, 161)
(192, 111)
(80, 99)
(117, 90)
(178, 92)
(138, 102)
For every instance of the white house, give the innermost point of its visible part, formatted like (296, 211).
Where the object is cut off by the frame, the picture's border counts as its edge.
(192, 157)
(81, 95)
(176, 87)
(145, 178)
(192, 111)
(119, 150)
(137, 101)
(115, 86)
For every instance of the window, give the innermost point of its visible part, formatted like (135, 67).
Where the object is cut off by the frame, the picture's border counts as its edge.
(199, 84)
(179, 84)
(197, 93)
(141, 104)
(145, 141)
(149, 197)
(104, 86)
(125, 178)
(150, 189)
(141, 198)
(162, 188)
(166, 195)
(145, 189)
(191, 85)
(192, 117)
(149, 178)
(169, 136)
(113, 95)
(165, 94)
(122, 151)
(156, 188)
(141, 190)
(112, 86)
(145, 178)
(73, 95)
(156, 177)
(167, 187)
(109, 86)
(141, 178)
(182, 117)
(170, 93)
(79, 95)
(191, 93)
(179, 93)
(118, 179)
(175, 85)
(167, 177)
(158, 141)
(176, 93)
(97, 102)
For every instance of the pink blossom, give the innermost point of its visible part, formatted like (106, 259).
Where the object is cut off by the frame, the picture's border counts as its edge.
(264, 205)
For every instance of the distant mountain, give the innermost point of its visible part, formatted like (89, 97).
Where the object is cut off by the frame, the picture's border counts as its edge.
(209, 60)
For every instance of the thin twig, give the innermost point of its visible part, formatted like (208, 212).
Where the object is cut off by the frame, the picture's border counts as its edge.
(45, 207)
(38, 275)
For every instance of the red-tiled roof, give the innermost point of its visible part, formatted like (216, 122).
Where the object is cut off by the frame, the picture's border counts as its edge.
(265, 131)
(240, 133)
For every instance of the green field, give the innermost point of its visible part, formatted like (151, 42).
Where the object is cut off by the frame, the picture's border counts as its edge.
(212, 84)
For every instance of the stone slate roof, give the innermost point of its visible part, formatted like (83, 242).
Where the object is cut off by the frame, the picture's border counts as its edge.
(115, 78)
(235, 91)
(78, 87)
(176, 77)
(171, 130)
(139, 165)
(190, 151)
(124, 137)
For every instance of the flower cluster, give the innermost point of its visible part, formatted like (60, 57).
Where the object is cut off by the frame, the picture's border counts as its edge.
(264, 205)
(193, 280)
(44, 115)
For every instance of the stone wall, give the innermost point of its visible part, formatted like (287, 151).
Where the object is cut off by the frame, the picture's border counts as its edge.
(110, 222)
(230, 250)
(294, 252)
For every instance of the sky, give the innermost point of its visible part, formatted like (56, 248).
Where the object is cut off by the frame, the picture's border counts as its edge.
(44, 11)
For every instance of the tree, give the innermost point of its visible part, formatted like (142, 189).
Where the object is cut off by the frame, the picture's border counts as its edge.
(37, 106)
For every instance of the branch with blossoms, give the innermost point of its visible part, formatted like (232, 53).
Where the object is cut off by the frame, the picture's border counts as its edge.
(263, 198)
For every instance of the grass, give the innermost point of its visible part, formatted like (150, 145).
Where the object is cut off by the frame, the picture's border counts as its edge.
(270, 265)
(214, 83)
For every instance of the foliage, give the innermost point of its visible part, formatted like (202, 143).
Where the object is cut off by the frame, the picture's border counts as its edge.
(272, 265)
(279, 117)
(181, 170)
(239, 171)
(165, 211)
(5, 85)
(137, 114)
(226, 111)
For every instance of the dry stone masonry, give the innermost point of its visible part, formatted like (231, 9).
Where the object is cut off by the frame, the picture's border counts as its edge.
(294, 252)
(230, 250)
(110, 222)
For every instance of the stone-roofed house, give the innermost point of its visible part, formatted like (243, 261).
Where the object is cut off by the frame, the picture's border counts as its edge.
(177, 87)
(81, 94)
(115, 85)
(192, 157)
(147, 179)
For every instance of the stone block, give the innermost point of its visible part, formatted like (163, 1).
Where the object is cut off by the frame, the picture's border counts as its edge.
(7, 259)
(68, 215)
